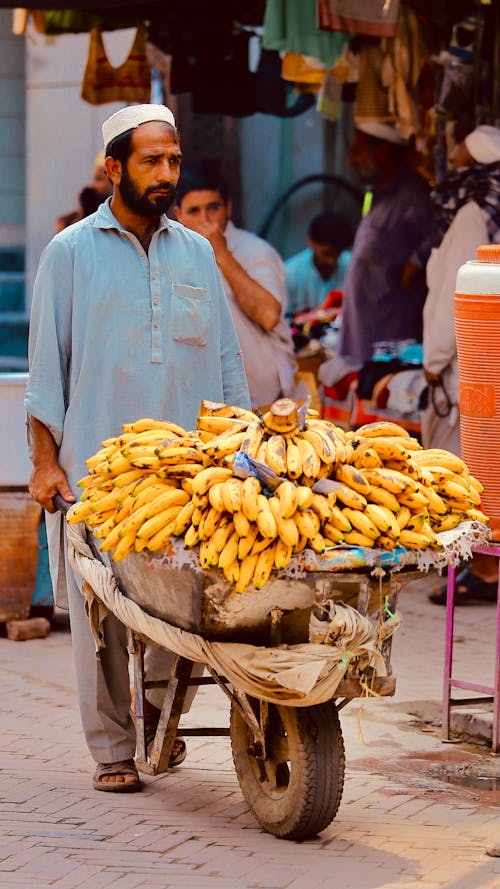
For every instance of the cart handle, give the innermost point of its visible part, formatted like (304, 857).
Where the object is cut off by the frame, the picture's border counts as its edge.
(61, 504)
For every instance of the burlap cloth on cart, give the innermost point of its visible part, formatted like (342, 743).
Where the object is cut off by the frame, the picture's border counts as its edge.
(296, 675)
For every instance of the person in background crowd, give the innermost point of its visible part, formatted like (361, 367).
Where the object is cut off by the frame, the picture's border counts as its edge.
(468, 208)
(90, 197)
(129, 319)
(253, 276)
(321, 267)
(381, 301)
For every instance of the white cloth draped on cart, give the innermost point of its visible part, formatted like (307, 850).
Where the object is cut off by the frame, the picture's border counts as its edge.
(296, 675)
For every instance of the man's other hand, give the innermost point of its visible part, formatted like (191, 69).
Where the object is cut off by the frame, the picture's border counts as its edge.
(46, 482)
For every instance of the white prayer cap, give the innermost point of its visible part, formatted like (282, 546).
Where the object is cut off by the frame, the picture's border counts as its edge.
(484, 144)
(131, 117)
(378, 130)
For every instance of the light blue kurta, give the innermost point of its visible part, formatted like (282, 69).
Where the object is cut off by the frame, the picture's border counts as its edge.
(117, 334)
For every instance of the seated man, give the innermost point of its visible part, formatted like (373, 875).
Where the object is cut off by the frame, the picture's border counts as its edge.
(253, 276)
(320, 268)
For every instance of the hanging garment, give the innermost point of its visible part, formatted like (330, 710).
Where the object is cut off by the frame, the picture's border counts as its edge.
(129, 82)
(372, 97)
(291, 25)
(374, 17)
(274, 95)
(303, 70)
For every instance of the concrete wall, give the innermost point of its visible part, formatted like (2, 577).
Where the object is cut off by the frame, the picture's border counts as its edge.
(63, 132)
(12, 107)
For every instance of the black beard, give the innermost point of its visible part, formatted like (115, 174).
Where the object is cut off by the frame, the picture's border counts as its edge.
(141, 204)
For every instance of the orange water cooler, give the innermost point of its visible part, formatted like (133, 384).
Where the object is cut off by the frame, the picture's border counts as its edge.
(477, 320)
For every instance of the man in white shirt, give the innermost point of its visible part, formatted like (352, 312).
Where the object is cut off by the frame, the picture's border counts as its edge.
(253, 276)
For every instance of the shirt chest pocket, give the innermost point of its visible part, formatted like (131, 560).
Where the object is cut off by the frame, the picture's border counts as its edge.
(190, 314)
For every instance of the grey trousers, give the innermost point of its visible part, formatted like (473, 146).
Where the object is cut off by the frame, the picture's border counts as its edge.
(103, 681)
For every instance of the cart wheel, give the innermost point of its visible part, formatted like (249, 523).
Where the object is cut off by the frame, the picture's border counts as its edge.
(296, 790)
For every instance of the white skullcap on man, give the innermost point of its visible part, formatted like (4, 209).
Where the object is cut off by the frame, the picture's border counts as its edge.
(483, 144)
(384, 131)
(131, 117)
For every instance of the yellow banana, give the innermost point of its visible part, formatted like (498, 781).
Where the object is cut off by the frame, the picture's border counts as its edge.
(124, 547)
(287, 496)
(229, 552)
(381, 428)
(322, 444)
(349, 497)
(403, 516)
(247, 571)
(384, 498)
(224, 444)
(174, 454)
(317, 542)
(232, 571)
(159, 540)
(352, 477)
(183, 519)
(379, 516)
(250, 490)
(276, 454)
(245, 545)
(304, 497)
(392, 481)
(287, 529)
(339, 520)
(191, 537)
(476, 484)
(413, 539)
(231, 494)
(301, 544)
(221, 535)
(208, 477)
(209, 523)
(215, 496)
(155, 524)
(386, 542)
(414, 500)
(452, 490)
(321, 506)
(356, 538)
(293, 460)
(241, 524)
(311, 463)
(282, 554)
(187, 486)
(439, 457)
(220, 424)
(266, 522)
(80, 512)
(436, 504)
(386, 448)
(263, 566)
(146, 424)
(252, 439)
(477, 515)
(307, 522)
(366, 459)
(332, 535)
(417, 522)
(445, 522)
(361, 522)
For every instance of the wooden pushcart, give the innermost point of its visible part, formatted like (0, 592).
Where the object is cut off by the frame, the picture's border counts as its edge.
(289, 758)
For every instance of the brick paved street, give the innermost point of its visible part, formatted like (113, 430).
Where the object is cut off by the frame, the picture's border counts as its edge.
(398, 826)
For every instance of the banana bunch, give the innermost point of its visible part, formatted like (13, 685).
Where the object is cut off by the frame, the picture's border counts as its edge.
(374, 487)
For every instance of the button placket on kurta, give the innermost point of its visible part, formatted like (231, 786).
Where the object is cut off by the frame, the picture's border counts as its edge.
(152, 263)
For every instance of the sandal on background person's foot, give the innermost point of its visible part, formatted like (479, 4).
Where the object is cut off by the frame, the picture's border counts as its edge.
(469, 588)
(151, 720)
(125, 773)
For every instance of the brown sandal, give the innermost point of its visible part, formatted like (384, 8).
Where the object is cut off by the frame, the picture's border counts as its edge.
(124, 767)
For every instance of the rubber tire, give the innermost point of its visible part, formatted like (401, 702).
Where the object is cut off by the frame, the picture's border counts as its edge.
(316, 764)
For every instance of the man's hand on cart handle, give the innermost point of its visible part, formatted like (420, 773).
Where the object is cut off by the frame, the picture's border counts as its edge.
(45, 486)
